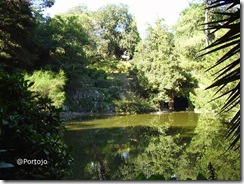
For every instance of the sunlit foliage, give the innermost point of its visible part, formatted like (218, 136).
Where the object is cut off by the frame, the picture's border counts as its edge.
(49, 84)
(156, 67)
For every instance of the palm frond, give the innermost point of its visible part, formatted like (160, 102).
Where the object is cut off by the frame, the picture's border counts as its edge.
(228, 73)
(228, 55)
(223, 3)
(233, 133)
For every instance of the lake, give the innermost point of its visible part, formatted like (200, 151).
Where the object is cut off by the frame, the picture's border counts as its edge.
(175, 145)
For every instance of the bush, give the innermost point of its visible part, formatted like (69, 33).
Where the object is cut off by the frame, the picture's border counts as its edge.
(133, 105)
(30, 128)
(49, 84)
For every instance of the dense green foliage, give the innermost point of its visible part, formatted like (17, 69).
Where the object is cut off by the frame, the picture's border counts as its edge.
(73, 43)
(189, 40)
(133, 104)
(112, 31)
(17, 45)
(49, 84)
(30, 129)
(156, 67)
(87, 47)
(227, 77)
(117, 32)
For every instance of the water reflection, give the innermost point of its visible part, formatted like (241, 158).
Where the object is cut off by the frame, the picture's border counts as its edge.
(176, 145)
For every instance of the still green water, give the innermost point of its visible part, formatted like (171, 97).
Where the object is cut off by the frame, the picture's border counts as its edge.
(177, 145)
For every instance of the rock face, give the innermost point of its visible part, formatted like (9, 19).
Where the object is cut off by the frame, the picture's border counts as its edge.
(66, 116)
(92, 100)
(101, 97)
(98, 97)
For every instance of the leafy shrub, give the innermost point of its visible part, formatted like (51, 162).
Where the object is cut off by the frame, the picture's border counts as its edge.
(30, 128)
(133, 105)
(49, 84)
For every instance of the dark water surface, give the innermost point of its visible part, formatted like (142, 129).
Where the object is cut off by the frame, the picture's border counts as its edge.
(176, 145)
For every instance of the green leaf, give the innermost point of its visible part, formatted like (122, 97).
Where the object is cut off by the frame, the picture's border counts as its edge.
(2, 151)
(141, 176)
(4, 165)
(156, 177)
(46, 152)
(31, 84)
(5, 122)
(230, 73)
(200, 176)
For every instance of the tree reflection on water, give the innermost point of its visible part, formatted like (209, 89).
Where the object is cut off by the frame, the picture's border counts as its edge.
(180, 152)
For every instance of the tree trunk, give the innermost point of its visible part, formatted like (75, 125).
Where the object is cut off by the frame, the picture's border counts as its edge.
(207, 33)
(171, 102)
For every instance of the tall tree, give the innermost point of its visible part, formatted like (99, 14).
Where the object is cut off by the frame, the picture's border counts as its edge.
(157, 67)
(18, 44)
(206, 23)
(17, 39)
(190, 38)
(62, 41)
(116, 30)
